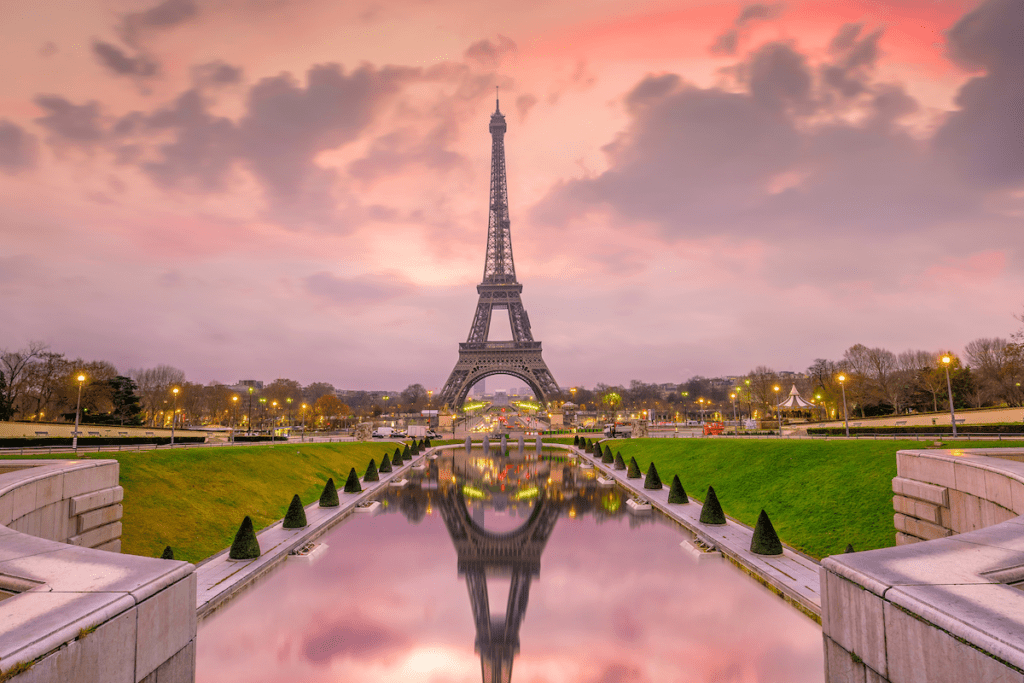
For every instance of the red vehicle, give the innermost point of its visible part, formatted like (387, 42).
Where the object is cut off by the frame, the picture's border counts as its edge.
(714, 428)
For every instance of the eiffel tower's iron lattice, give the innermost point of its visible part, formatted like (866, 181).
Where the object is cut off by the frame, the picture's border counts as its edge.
(499, 290)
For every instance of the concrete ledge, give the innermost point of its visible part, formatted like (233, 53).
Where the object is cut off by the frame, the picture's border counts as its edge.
(949, 611)
(82, 613)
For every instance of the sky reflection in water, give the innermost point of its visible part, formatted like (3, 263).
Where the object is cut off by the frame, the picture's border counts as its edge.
(617, 599)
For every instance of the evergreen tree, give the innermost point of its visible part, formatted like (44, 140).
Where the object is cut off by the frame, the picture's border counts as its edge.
(607, 458)
(765, 540)
(676, 493)
(385, 464)
(633, 472)
(295, 518)
(620, 464)
(167, 554)
(329, 498)
(245, 546)
(371, 472)
(653, 481)
(712, 512)
(127, 406)
(6, 410)
(352, 484)
(575, 439)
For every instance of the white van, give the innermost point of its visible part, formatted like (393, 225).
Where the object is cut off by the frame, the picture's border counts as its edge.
(382, 432)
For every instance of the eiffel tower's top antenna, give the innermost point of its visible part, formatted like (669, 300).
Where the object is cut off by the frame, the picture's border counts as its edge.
(497, 102)
(498, 266)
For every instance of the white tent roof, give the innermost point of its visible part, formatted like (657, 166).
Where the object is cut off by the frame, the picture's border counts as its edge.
(796, 401)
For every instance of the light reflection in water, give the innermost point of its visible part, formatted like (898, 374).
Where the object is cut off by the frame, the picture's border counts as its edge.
(421, 595)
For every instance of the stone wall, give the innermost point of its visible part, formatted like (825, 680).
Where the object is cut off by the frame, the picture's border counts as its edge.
(71, 611)
(946, 610)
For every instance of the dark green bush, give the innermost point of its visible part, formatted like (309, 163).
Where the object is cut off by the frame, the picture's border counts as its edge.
(576, 440)
(385, 464)
(608, 458)
(87, 441)
(245, 546)
(406, 452)
(620, 464)
(371, 472)
(329, 498)
(167, 554)
(676, 492)
(426, 443)
(653, 481)
(849, 548)
(352, 484)
(765, 540)
(633, 471)
(961, 429)
(295, 518)
(396, 460)
(712, 512)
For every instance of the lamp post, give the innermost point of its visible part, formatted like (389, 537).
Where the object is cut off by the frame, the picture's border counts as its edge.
(289, 402)
(701, 402)
(778, 408)
(273, 419)
(846, 417)
(248, 418)
(234, 417)
(304, 406)
(732, 397)
(174, 413)
(946, 360)
(263, 409)
(78, 408)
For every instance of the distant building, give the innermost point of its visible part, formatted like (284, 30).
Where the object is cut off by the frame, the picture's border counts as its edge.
(246, 383)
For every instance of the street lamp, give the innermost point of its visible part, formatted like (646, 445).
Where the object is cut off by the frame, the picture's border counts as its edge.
(304, 406)
(846, 417)
(174, 412)
(778, 408)
(946, 360)
(732, 397)
(289, 402)
(273, 419)
(248, 418)
(701, 402)
(234, 417)
(78, 408)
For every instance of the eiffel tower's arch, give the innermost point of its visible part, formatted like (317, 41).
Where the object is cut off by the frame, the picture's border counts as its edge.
(483, 371)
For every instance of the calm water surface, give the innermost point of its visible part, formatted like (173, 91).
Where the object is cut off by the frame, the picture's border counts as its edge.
(520, 569)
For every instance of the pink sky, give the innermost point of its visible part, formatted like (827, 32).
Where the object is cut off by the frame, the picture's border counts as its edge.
(298, 188)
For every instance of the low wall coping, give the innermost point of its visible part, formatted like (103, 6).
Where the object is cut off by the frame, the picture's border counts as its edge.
(76, 587)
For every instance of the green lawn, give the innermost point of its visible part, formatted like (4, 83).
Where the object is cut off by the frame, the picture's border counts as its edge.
(820, 495)
(193, 499)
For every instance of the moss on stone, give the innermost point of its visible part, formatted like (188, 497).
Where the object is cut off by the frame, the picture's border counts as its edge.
(633, 471)
(385, 464)
(167, 554)
(676, 492)
(765, 540)
(352, 484)
(652, 481)
(712, 512)
(607, 458)
(371, 472)
(620, 464)
(245, 546)
(329, 498)
(295, 518)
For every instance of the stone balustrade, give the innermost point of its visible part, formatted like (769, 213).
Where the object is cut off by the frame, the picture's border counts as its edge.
(72, 608)
(946, 604)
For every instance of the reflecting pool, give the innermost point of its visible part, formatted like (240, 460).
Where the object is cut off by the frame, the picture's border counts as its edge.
(507, 568)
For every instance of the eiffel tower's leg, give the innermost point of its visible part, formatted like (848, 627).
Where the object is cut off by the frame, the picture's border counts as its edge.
(481, 322)
(519, 320)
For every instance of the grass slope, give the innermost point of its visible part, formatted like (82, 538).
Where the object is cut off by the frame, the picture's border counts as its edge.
(820, 495)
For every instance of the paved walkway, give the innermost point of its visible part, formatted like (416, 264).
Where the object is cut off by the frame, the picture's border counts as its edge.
(792, 575)
(219, 578)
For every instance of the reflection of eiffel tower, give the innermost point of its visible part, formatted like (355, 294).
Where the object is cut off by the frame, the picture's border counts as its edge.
(482, 553)
(478, 356)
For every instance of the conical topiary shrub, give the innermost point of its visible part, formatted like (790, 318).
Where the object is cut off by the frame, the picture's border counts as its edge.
(849, 549)
(371, 472)
(245, 546)
(414, 450)
(633, 471)
(396, 459)
(352, 484)
(712, 513)
(676, 493)
(576, 440)
(620, 464)
(167, 554)
(653, 481)
(329, 498)
(295, 518)
(406, 452)
(385, 464)
(426, 443)
(765, 540)
(607, 458)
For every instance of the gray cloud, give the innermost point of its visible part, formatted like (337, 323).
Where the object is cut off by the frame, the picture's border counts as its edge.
(163, 15)
(216, 73)
(358, 291)
(78, 124)
(120, 63)
(488, 54)
(18, 149)
(400, 149)
(353, 637)
(727, 41)
(985, 137)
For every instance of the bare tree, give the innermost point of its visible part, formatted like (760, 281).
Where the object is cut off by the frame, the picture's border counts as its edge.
(763, 381)
(155, 386)
(14, 365)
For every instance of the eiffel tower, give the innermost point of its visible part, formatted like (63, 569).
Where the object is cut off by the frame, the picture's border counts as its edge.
(478, 357)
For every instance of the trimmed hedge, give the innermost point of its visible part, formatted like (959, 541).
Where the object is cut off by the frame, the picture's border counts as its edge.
(167, 554)
(633, 471)
(765, 540)
(1013, 428)
(712, 512)
(352, 484)
(607, 458)
(329, 498)
(620, 464)
(245, 546)
(295, 518)
(385, 464)
(61, 441)
(576, 440)
(676, 492)
(653, 481)
(396, 459)
(371, 472)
